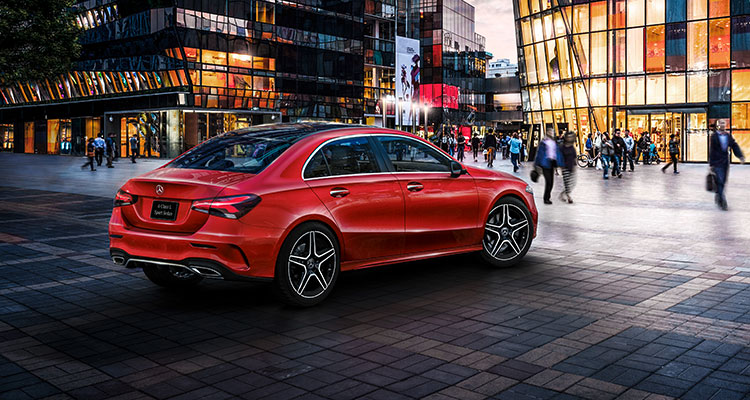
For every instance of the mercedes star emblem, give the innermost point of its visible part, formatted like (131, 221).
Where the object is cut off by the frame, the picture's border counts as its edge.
(159, 190)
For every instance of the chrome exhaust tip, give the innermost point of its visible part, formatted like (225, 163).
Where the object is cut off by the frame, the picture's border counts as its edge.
(206, 272)
(119, 260)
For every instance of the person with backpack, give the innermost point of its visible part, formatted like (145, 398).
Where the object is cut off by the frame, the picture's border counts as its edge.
(90, 153)
(674, 152)
(720, 144)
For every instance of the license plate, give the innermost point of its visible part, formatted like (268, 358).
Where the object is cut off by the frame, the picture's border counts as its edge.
(164, 210)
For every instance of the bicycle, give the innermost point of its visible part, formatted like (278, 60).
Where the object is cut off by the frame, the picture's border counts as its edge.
(584, 160)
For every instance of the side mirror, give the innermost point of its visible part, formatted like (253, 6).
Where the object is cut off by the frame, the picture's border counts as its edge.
(456, 169)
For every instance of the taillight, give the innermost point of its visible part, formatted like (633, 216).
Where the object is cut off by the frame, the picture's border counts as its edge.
(232, 207)
(124, 198)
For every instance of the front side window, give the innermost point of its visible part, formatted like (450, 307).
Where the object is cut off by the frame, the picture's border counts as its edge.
(349, 156)
(409, 155)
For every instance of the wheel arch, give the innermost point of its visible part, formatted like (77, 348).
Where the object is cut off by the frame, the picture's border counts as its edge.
(322, 219)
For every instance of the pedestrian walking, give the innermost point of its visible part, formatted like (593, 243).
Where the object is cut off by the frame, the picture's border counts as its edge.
(721, 143)
(546, 159)
(619, 144)
(568, 152)
(91, 154)
(133, 148)
(674, 153)
(110, 150)
(490, 144)
(590, 146)
(451, 144)
(460, 147)
(99, 147)
(475, 145)
(627, 155)
(608, 151)
(515, 151)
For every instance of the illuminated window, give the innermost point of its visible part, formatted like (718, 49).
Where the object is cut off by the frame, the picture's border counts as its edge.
(28, 137)
(549, 28)
(718, 44)
(598, 92)
(676, 47)
(636, 90)
(741, 42)
(581, 95)
(264, 63)
(654, 12)
(598, 53)
(617, 93)
(545, 98)
(563, 56)
(718, 8)
(655, 89)
(636, 12)
(655, 48)
(741, 85)
(718, 85)
(264, 12)
(675, 88)
(697, 88)
(617, 14)
(635, 50)
(567, 95)
(581, 43)
(525, 30)
(697, 43)
(617, 58)
(541, 68)
(560, 30)
(523, 8)
(599, 16)
(214, 57)
(530, 64)
(697, 9)
(538, 30)
(535, 6)
(554, 62)
(581, 18)
(211, 78)
(534, 97)
(240, 60)
(556, 95)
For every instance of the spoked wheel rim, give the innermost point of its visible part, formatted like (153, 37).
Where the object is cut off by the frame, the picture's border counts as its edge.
(506, 232)
(312, 264)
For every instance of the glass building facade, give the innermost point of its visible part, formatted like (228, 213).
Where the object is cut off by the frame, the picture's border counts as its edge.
(662, 66)
(173, 73)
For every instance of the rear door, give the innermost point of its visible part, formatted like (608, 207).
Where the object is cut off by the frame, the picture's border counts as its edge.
(441, 211)
(364, 199)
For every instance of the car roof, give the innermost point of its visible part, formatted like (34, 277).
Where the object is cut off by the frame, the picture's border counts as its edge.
(286, 131)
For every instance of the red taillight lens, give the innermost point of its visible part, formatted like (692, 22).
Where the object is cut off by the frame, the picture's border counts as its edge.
(124, 199)
(232, 207)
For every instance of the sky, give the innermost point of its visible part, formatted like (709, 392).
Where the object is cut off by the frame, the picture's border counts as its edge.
(494, 21)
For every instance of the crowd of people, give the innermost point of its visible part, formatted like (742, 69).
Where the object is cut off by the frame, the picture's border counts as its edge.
(97, 149)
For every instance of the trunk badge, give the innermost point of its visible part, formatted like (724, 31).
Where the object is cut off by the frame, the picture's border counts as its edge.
(159, 190)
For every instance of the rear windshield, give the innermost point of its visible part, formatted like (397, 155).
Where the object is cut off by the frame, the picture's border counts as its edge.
(237, 152)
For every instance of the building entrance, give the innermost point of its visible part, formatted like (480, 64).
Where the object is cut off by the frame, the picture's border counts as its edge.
(690, 127)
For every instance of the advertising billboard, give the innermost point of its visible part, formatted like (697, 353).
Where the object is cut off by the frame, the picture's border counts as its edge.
(439, 95)
(407, 79)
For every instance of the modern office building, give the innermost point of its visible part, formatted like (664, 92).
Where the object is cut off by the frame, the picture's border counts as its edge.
(454, 63)
(662, 66)
(173, 73)
(501, 68)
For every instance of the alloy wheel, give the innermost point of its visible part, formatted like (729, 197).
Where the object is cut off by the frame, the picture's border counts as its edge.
(312, 264)
(506, 232)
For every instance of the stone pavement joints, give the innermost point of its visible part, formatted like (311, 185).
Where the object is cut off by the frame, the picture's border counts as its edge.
(570, 322)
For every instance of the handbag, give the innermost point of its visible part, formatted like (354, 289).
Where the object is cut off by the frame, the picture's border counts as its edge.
(711, 181)
(534, 175)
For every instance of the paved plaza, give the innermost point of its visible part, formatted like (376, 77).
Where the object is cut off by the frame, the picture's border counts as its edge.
(638, 290)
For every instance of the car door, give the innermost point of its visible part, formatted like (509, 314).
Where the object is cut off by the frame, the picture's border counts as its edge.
(441, 210)
(364, 199)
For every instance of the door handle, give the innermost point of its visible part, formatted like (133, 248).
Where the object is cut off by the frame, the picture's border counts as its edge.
(414, 186)
(339, 192)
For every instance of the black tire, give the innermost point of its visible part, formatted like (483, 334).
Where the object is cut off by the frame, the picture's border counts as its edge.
(583, 160)
(321, 261)
(505, 243)
(171, 277)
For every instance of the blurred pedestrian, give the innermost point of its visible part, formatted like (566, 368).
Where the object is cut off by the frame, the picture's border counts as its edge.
(721, 143)
(568, 152)
(546, 159)
(674, 153)
(133, 148)
(99, 145)
(475, 145)
(515, 151)
(608, 151)
(90, 153)
(460, 147)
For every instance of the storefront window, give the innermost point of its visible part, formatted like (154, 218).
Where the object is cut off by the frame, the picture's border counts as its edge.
(598, 53)
(741, 85)
(697, 87)
(581, 18)
(655, 89)
(697, 57)
(675, 88)
(636, 12)
(28, 137)
(6, 135)
(718, 36)
(741, 42)
(718, 8)
(655, 49)
(635, 50)
(676, 47)
(654, 12)
(741, 116)
(617, 14)
(617, 58)
(718, 85)
(636, 90)
(696, 9)
(599, 16)
(676, 10)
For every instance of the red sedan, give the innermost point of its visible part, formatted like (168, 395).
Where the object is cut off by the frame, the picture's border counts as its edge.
(297, 204)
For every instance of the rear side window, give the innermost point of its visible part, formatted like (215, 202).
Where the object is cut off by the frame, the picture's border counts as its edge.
(248, 154)
(410, 155)
(350, 156)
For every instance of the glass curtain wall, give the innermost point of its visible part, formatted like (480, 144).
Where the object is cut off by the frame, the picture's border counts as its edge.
(605, 64)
